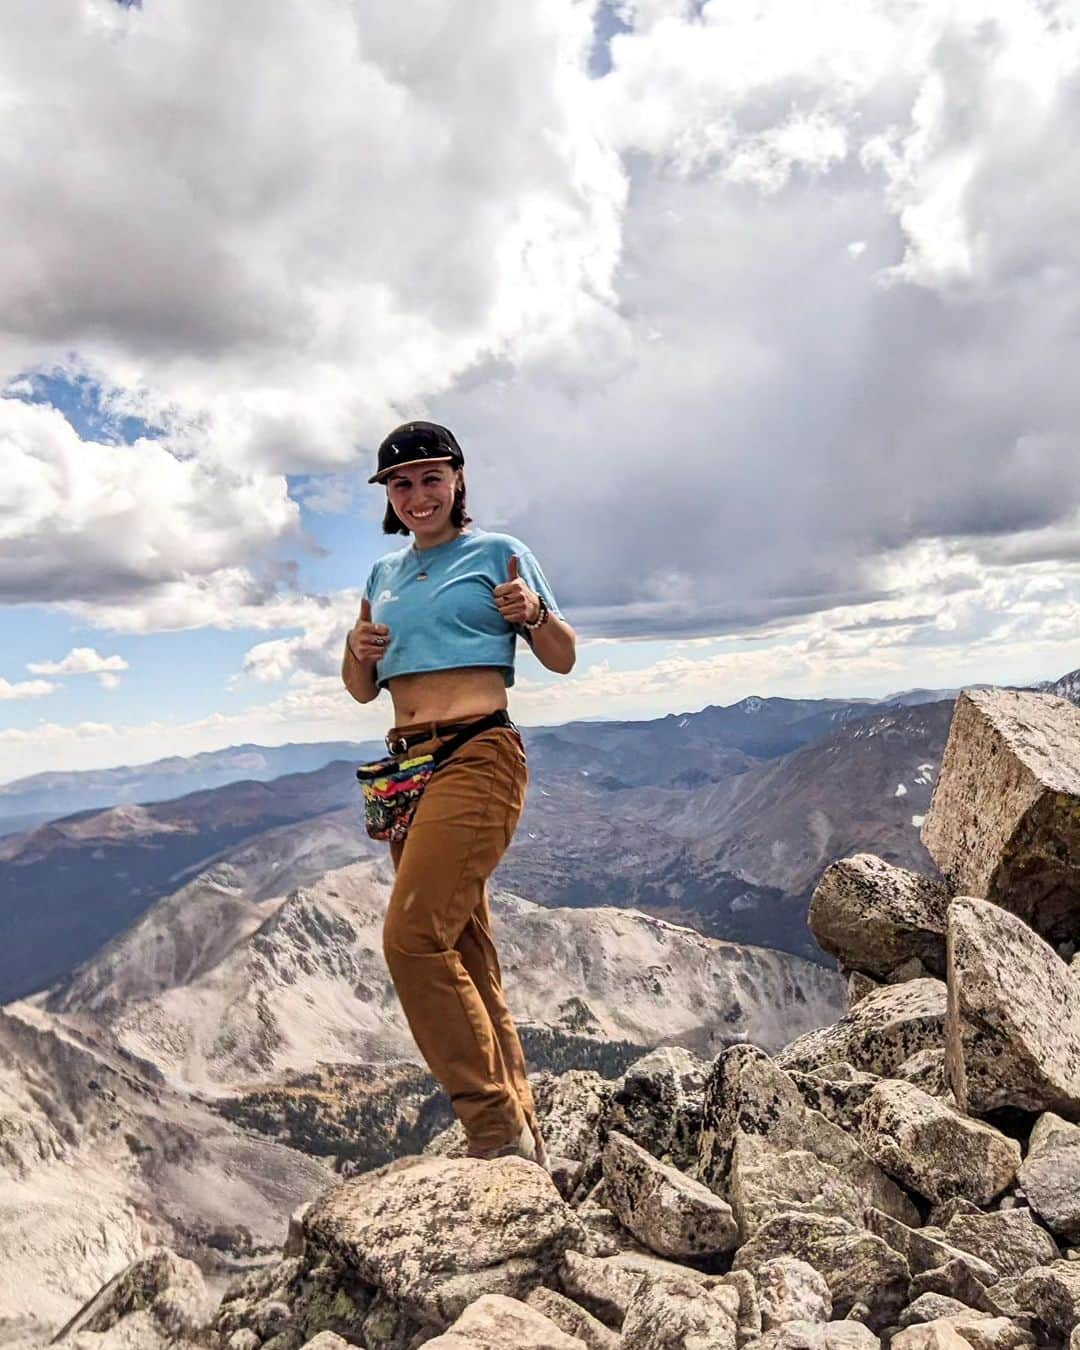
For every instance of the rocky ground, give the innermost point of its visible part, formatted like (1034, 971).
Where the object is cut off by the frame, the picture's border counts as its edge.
(908, 1176)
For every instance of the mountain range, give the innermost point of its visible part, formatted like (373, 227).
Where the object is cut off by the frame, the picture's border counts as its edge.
(721, 819)
(213, 1065)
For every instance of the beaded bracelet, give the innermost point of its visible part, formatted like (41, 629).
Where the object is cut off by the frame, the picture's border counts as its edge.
(542, 617)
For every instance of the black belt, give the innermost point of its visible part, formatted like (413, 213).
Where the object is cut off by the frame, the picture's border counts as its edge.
(399, 744)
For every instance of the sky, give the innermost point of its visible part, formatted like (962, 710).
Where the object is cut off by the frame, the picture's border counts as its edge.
(757, 322)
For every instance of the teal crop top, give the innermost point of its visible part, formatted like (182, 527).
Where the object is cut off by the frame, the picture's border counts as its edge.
(450, 619)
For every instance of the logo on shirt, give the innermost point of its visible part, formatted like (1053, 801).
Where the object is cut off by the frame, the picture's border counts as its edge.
(385, 597)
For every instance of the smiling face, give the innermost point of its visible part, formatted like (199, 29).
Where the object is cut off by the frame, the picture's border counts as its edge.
(422, 496)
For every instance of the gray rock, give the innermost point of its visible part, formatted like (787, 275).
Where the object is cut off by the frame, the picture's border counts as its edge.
(1003, 823)
(437, 1233)
(769, 1153)
(883, 1030)
(966, 1329)
(934, 1150)
(938, 1335)
(791, 1291)
(990, 1333)
(941, 1215)
(819, 1336)
(1050, 1175)
(926, 1248)
(748, 1317)
(926, 1069)
(494, 1321)
(606, 1285)
(1052, 1294)
(956, 1279)
(836, 1090)
(858, 986)
(876, 917)
(1013, 1034)
(671, 1213)
(605, 1235)
(680, 1314)
(570, 1317)
(658, 1102)
(931, 1307)
(1010, 1240)
(326, 1340)
(858, 1266)
(570, 1107)
(168, 1288)
(294, 1237)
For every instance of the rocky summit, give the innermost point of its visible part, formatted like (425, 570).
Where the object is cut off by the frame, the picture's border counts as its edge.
(906, 1177)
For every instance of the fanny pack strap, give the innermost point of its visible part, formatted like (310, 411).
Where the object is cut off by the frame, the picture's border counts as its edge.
(500, 718)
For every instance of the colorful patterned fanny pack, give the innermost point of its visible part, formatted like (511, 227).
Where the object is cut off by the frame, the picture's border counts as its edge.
(392, 787)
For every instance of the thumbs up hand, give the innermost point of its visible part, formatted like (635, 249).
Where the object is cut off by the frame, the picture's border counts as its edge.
(517, 602)
(368, 640)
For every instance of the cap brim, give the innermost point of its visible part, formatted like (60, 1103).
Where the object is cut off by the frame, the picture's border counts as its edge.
(424, 459)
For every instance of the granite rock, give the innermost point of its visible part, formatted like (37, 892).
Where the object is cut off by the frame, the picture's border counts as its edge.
(1013, 1028)
(933, 1149)
(876, 917)
(1004, 821)
(879, 1033)
(493, 1322)
(769, 1153)
(859, 1268)
(791, 1291)
(1050, 1175)
(437, 1233)
(670, 1213)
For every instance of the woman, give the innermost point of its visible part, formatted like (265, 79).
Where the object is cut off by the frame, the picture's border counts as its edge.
(438, 627)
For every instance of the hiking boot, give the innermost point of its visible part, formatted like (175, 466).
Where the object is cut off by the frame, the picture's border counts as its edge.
(524, 1146)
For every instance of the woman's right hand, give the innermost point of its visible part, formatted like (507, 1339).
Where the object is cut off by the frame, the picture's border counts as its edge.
(368, 640)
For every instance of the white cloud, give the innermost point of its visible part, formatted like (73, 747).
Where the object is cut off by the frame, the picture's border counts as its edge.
(102, 523)
(285, 285)
(79, 661)
(25, 689)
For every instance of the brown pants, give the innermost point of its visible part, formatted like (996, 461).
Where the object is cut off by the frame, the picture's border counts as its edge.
(437, 931)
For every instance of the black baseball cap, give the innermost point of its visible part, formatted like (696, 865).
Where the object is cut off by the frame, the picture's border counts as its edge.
(415, 441)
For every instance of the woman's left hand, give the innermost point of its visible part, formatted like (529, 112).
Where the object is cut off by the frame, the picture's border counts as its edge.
(517, 602)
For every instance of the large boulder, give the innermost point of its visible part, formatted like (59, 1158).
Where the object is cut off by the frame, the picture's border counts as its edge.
(606, 1285)
(1050, 1175)
(927, 1248)
(934, 1150)
(1052, 1294)
(681, 1314)
(437, 1233)
(166, 1289)
(494, 1321)
(858, 1267)
(879, 1033)
(876, 917)
(1013, 1028)
(836, 1090)
(1008, 1239)
(670, 1213)
(791, 1291)
(769, 1153)
(572, 1318)
(1004, 821)
(819, 1336)
(658, 1101)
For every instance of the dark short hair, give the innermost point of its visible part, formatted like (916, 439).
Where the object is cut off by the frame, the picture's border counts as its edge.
(459, 517)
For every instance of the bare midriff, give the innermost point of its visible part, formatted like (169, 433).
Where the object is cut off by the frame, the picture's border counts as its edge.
(446, 695)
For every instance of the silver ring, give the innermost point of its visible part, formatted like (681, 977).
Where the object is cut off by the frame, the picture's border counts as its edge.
(380, 642)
